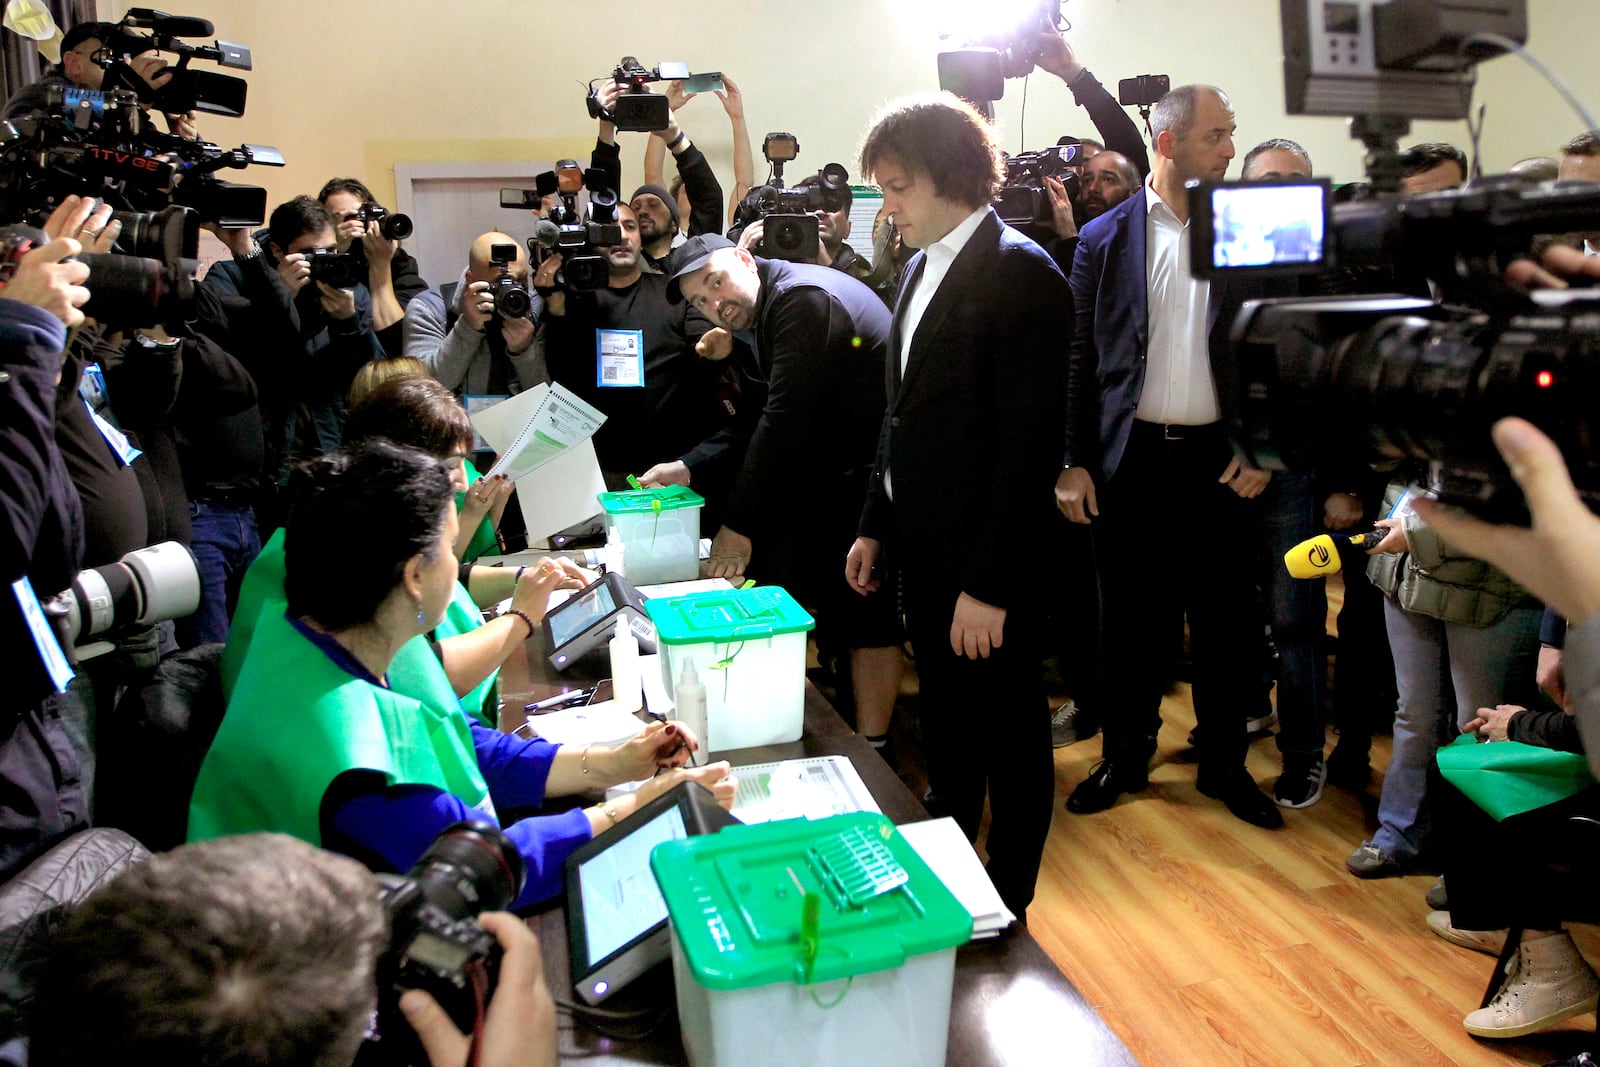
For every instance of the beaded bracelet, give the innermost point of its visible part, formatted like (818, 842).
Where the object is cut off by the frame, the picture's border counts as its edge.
(523, 615)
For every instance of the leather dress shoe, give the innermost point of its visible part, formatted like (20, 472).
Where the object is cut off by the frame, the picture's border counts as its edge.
(1106, 782)
(1239, 792)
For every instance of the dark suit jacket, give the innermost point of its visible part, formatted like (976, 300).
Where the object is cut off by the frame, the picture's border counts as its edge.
(1105, 376)
(975, 426)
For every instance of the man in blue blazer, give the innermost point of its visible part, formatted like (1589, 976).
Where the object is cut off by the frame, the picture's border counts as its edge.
(976, 375)
(1153, 406)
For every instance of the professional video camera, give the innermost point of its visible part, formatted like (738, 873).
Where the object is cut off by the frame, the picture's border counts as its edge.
(1389, 376)
(101, 143)
(143, 29)
(126, 290)
(989, 52)
(637, 109)
(435, 943)
(1023, 200)
(574, 233)
(144, 587)
(789, 229)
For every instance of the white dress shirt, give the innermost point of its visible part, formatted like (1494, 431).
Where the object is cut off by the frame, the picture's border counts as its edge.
(1178, 384)
(937, 258)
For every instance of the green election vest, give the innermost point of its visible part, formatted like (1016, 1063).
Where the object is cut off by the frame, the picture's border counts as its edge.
(483, 538)
(297, 721)
(1509, 778)
(415, 668)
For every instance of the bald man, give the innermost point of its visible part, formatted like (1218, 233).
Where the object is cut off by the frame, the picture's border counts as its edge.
(468, 346)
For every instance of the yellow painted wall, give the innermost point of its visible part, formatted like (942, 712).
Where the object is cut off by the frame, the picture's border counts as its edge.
(354, 86)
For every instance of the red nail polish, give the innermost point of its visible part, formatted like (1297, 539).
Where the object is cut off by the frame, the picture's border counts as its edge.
(671, 729)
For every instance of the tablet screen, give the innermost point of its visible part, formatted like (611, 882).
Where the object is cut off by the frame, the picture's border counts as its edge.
(578, 614)
(621, 900)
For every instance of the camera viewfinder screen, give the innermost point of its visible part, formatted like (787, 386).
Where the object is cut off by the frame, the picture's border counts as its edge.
(1274, 225)
(621, 900)
(576, 616)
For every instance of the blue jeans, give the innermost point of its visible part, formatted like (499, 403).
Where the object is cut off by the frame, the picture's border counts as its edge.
(1290, 514)
(224, 542)
(1445, 672)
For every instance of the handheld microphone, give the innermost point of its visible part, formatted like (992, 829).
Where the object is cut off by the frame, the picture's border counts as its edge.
(1319, 557)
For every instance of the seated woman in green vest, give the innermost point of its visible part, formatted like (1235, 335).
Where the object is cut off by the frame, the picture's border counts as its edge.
(421, 413)
(317, 743)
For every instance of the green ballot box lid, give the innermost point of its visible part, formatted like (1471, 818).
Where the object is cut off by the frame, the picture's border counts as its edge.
(804, 901)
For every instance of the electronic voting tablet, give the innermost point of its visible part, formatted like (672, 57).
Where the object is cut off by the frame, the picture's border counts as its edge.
(588, 620)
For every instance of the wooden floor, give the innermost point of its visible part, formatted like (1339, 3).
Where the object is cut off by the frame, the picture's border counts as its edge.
(1203, 940)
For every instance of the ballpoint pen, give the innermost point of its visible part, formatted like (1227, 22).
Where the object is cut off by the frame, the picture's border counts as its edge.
(571, 696)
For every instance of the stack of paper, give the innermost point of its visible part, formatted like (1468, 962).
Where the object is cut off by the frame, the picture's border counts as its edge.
(602, 723)
(943, 847)
(812, 788)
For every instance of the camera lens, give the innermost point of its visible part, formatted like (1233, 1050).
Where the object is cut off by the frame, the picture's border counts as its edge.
(168, 235)
(470, 868)
(396, 227)
(512, 301)
(135, 291)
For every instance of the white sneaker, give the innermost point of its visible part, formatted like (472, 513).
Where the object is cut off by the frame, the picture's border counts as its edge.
(1547, 981)
(1488, 941)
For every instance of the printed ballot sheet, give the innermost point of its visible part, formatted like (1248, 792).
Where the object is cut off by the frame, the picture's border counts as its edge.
(544, 438)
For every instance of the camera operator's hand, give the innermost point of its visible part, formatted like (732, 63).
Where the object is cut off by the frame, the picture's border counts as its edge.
(379, 249)
(675, 472)
(477, 306)
(519, 1029)
(1556, 264)
(1247, 482)
(1062, 220)
(295, 271)
(41, 279)
(85, 220)
(544, 281)
(518, 334)
(732, 99)
(752, 235)
(1057, 57)
(237, 238)
(338, 303)
(606, 94)
(716, 344)
(676, 97)
(185, 125)
(1554, 558)
(152, 68)
(347, 231)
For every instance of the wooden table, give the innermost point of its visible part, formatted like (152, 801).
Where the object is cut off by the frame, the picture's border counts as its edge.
(1010, 1003)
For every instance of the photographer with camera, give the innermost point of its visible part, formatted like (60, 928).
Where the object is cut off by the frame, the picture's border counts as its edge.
(667, 399)
(259, 949)
(83, 52)
(299, 317)
(372, 234)
(469, 338)
(660, 228)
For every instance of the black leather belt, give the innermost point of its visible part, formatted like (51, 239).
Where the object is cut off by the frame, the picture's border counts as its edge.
(1172, 431)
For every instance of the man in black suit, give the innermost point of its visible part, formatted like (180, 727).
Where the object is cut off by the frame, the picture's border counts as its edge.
(1152, 396)
(977, 389)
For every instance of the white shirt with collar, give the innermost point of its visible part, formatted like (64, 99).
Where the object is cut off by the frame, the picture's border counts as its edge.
(1178, 384)
(937, 258)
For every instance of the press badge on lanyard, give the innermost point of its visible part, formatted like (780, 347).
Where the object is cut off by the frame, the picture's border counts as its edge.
(619, 356)
(95, 396)
(44, 636)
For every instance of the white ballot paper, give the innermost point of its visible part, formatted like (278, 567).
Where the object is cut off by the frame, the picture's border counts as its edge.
(544, 439)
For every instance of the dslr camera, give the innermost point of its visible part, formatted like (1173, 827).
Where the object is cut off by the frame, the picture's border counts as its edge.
(1023, 200)
(637, 109)
(577, 233)
(152, 287)
(1384, 375)
(435, 942)
(511, 300)
(338, 270)
(146, 586)
(393, 225)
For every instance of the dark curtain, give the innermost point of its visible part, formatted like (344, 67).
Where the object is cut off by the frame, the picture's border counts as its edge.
(20, 61)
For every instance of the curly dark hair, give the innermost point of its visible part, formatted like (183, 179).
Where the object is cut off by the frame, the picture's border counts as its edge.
(944, 137)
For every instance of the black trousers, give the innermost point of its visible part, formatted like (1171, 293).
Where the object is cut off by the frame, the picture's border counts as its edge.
(1172, 542)
(985, 728)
